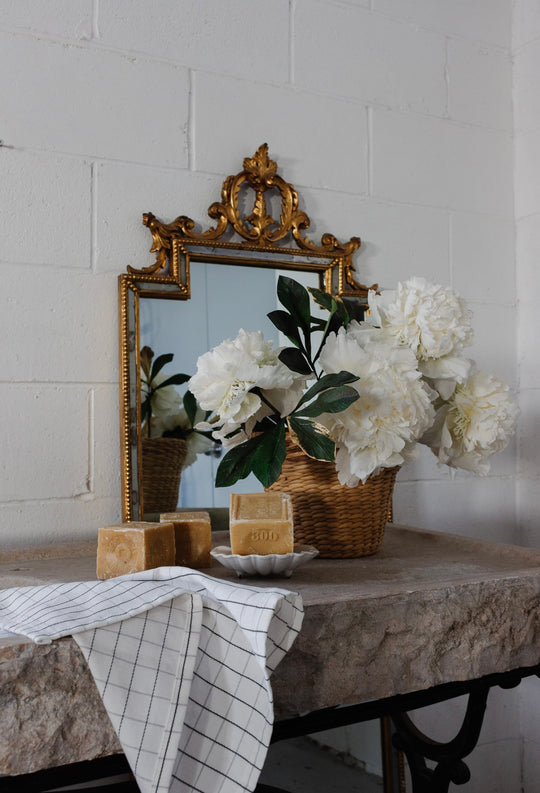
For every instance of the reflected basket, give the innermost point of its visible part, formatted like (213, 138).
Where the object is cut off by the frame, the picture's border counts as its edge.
(341, 522)
(162, 463)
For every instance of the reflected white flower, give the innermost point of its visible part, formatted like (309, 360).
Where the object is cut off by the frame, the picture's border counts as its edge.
(179, 424)
(165, 400)
(227, 374)
(476, 422)
(432, 320)
(381, 428)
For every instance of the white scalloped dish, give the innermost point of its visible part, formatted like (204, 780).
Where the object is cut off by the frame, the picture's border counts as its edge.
(272, 564)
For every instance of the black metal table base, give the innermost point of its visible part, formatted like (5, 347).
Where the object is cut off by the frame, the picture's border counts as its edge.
(446, 767)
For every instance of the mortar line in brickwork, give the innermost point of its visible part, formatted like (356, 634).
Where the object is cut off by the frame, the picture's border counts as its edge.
(93, 217)
(292, 14)
(91, 425)
(95, 19)
(190, 126)
(369, 149)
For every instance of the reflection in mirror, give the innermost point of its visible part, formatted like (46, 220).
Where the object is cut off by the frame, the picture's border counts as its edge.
(206, 285)
(216, 311)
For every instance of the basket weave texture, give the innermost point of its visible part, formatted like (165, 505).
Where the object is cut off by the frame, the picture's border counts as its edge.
(162, 463)
(341, 522)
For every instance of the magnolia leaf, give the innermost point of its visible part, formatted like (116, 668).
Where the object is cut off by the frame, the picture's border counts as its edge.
(286, 324)
(268, 457)
(325, 382)
(159, 363)
(333, 400)
(313, 439)
(356, 308)
(342, 313)
(237, 463)
(295, 298)
(174, 379)
(323, 299)
(335, 322)
(295, 360)
(190, 406)
(146, 360)
(145, 409)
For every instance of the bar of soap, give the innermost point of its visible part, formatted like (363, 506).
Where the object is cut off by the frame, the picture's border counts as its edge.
(261, 523)
(134, 546)
(192, 537)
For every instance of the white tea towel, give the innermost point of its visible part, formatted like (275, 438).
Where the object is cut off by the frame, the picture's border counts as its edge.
(182, 661)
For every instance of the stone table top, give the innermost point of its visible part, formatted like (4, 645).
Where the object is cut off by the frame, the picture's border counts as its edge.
(428, 608)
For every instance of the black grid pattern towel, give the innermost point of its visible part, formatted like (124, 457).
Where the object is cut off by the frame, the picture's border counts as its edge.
(182, 661)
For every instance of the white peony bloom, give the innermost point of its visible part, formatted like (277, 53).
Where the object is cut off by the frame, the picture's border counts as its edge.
(477, 421)
(381, 428)
(227, 374)
(432, 320)
(444, 373)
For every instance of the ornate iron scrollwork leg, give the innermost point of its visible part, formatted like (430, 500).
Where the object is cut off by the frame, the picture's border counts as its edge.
(448, 757)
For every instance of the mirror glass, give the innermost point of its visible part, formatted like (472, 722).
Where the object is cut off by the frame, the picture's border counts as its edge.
(224, 299)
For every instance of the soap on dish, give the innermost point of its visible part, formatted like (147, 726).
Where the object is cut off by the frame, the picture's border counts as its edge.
(134, 546)
(261, 523)
(192, 537)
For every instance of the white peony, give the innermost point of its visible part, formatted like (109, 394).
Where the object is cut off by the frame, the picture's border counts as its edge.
(227, 375)
(432, 320)
(381, 428)
(477, 421)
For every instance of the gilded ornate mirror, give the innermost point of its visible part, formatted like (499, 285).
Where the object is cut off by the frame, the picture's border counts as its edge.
(216, 274)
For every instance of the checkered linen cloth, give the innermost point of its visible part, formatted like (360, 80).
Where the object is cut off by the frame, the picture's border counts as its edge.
(182, 661)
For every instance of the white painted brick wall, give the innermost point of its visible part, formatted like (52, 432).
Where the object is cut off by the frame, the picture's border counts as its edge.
(394, 120)
(527, 196)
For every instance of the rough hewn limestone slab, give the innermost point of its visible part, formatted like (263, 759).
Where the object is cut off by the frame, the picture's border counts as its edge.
(51, 712)
(428, 608)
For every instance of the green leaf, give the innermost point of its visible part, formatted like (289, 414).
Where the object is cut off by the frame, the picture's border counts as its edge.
(323, 299)
(356, 308)
(174, 379)
(325, 382)
(159, 363)
(268, 457)
(313, 441)
(295, 298)
(190, 406)
(342, 312)
(286, 324)
(145, 409)
(237, 463)
(295, 360)
(333, 400)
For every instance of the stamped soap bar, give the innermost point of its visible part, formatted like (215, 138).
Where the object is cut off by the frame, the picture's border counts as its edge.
(261, 523)
(192, 537)
(134, 546)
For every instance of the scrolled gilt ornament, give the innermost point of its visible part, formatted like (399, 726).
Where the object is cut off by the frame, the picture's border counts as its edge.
(257, 228)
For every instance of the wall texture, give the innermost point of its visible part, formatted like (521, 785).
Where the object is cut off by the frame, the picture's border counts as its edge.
(526, 45)
(394, 120)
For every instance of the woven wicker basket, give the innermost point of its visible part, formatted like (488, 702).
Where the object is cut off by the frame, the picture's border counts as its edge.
(163, 460)
(341, 522)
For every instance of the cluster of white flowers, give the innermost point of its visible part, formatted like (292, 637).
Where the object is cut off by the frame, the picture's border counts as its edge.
(394, 409)
(241, 381)
(414, 386)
